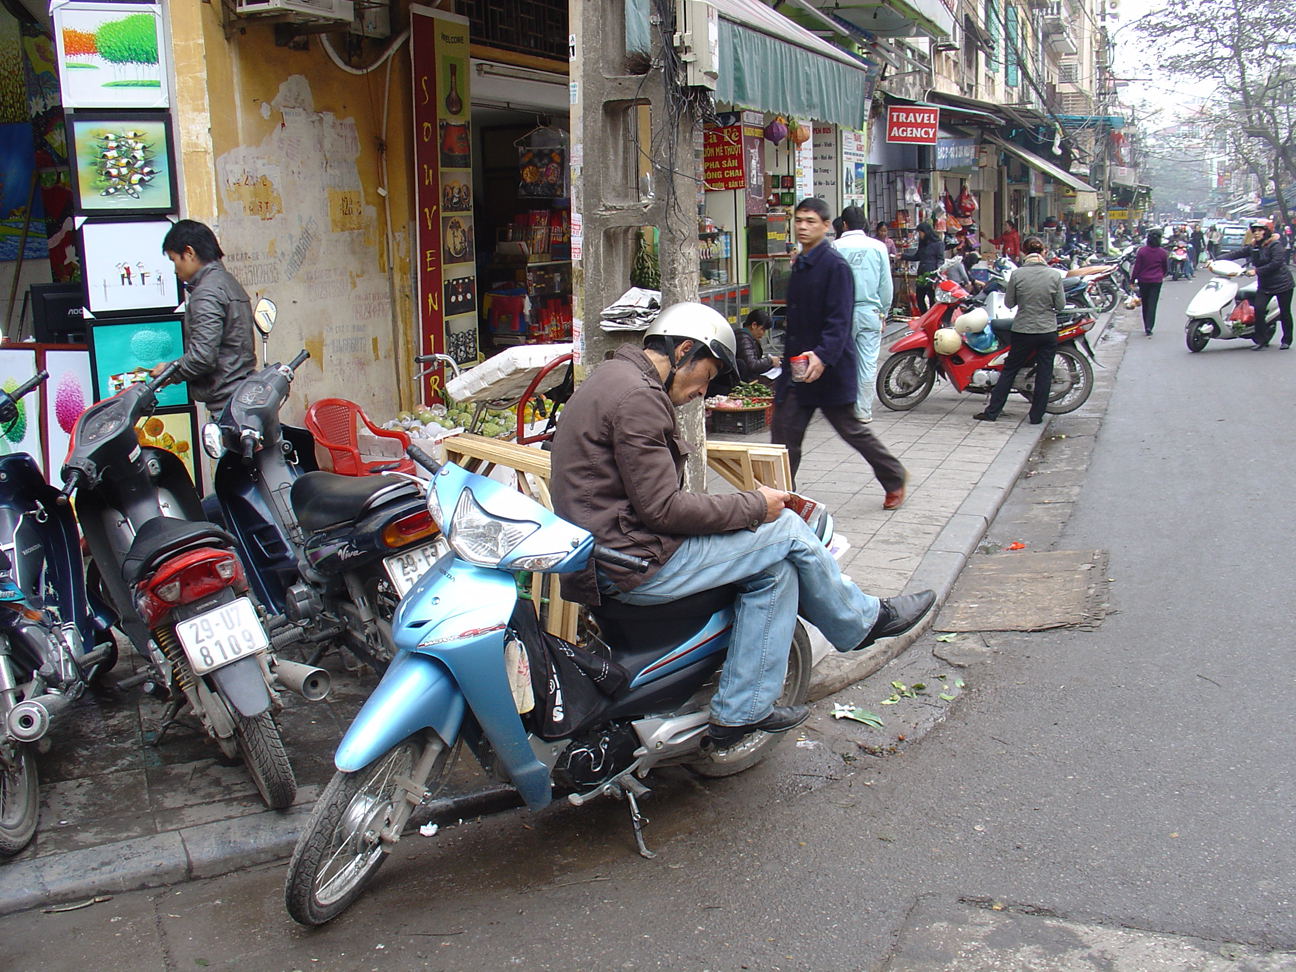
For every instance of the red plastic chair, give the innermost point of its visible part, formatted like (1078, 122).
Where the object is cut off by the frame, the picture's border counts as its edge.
(333, 423)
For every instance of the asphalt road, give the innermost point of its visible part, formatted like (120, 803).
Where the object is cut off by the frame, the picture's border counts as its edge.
(1103, 795)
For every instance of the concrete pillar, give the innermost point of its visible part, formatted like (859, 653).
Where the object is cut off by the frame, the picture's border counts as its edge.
(192, 108)
(605, 190)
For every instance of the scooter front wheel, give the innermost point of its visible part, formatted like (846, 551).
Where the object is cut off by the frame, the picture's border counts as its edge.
(751, 749)
(1197, 341)
(906, 379)
(341, 847)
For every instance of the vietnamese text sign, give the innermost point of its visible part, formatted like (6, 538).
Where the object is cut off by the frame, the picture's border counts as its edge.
(722, 159)
(912, 125)
(955, 153)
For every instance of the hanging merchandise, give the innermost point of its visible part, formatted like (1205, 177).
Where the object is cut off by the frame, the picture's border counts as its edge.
(542, 164)
(800, 134)
(911, 194)
(645, 272)
(948, 202)
(967, 204)
(776, 131)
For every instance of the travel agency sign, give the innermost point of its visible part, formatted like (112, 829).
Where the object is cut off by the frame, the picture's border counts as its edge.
(912, 125)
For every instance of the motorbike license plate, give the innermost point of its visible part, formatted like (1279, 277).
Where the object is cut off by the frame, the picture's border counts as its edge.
(222, 635)
(407, 567)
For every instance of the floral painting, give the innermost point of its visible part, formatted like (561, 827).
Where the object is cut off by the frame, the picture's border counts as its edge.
(23, 434)
(111, 55)
(67, 395)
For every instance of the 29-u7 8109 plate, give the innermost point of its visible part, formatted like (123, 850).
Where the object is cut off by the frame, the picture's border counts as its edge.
(222, 635)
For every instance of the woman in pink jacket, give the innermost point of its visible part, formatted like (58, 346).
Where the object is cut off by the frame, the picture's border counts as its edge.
(1151, 264)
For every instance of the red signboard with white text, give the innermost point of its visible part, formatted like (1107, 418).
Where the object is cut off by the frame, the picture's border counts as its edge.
(912, 125)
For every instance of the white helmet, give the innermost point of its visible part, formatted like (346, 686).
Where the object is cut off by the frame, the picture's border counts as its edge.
(973, 322)
(701, 324)
(946, 340)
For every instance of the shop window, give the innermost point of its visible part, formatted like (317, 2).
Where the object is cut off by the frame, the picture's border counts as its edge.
(537, 27)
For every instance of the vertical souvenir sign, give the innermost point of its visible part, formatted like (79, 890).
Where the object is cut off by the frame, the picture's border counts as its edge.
(443, 179)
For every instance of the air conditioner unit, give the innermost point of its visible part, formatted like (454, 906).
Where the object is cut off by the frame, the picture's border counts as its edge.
(697, 38)
(317, 10)
(953, 42)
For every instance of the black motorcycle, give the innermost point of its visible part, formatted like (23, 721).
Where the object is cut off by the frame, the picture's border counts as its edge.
(330, 556)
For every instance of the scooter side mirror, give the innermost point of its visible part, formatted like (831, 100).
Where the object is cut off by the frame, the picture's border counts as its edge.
(263, 315)
(212, 442)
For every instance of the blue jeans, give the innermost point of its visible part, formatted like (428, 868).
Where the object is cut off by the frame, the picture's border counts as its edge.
(868, 342)
(776, 567)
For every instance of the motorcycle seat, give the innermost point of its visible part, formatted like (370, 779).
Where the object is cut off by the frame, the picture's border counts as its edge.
(325, 499)
(1075, 283)
(641, 635)
(164, 537)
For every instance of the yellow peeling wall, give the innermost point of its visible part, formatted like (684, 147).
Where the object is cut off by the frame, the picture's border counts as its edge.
(280, 152)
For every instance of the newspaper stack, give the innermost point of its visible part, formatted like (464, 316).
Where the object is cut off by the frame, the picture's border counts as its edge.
(632, 311)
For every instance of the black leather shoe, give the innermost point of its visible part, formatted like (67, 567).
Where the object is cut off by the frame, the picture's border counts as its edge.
(1285, 346)
(896, 615)
(781, 719)
(984, 417)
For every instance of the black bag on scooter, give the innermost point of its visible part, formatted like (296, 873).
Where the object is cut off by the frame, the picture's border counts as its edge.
(572, 685)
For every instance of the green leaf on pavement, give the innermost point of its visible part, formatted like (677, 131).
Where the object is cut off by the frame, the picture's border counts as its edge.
(947, 637)
(947, 698)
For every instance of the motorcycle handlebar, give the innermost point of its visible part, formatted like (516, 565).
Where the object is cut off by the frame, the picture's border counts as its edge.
(423, 459)
(617, 559)
(162, 379)
(71, 480)
(249, 449)
(297, 362)
(28, 385)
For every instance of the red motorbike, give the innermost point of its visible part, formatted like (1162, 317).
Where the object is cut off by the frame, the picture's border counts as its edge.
(937, 346)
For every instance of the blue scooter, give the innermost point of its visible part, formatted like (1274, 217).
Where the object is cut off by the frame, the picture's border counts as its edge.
(52, 641)
(472, 666)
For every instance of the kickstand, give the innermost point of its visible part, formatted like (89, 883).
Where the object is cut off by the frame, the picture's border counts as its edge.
(169, 720)
(630, 787)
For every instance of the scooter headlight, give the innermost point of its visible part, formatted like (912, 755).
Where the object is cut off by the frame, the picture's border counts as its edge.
(482, 538)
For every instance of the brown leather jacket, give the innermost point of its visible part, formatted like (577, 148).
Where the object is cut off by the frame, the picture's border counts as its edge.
(617, 464)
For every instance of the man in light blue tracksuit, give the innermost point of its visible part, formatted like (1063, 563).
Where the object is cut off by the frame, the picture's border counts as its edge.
(871, 266)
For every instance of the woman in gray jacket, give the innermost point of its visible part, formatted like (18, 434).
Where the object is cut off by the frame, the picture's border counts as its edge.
(1035, 289)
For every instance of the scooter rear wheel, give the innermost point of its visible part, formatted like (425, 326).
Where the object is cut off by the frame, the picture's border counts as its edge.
(340, 848)
(267, 761)
(751, 749)
(905, 379)
(19, 802)
(1073, 381)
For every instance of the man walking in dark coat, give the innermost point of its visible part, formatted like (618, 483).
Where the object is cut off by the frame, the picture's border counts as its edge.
(820, 309)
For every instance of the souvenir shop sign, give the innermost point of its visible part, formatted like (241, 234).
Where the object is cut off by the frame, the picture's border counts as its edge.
(956, 153)
(753, 153)
(912, 125)
(443, 195)
(722, 159)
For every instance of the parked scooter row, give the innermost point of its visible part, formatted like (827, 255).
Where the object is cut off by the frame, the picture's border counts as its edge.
(964, 340)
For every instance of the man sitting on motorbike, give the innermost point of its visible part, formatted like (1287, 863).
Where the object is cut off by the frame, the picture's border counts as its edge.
(618, 462)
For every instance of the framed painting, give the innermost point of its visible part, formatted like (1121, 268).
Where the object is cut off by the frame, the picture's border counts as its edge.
(123, 163)
(110, 55)
(174, 430)
(23, 434)
(68, 392)
(122, 354)
(123, 268)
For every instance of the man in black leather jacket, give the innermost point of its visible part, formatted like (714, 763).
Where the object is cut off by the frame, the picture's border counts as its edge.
(219, 347)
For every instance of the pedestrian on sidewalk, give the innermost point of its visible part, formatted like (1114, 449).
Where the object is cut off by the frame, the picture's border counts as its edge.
(1035, 289)
(219, 350)
(1009, 241)
(1274, 282)
(930, 254)
(820, 308)
(871, 268)
(1151, 264)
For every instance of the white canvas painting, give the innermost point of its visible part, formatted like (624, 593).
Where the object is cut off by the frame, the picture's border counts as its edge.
(125, 269)
(110, 55)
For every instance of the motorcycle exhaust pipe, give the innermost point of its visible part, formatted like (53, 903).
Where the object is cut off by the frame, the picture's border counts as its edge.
(311, 683)
(31, 720)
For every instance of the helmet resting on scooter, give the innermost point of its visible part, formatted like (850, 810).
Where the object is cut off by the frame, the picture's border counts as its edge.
(973, 322)
(947, 340)
(709, 331)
